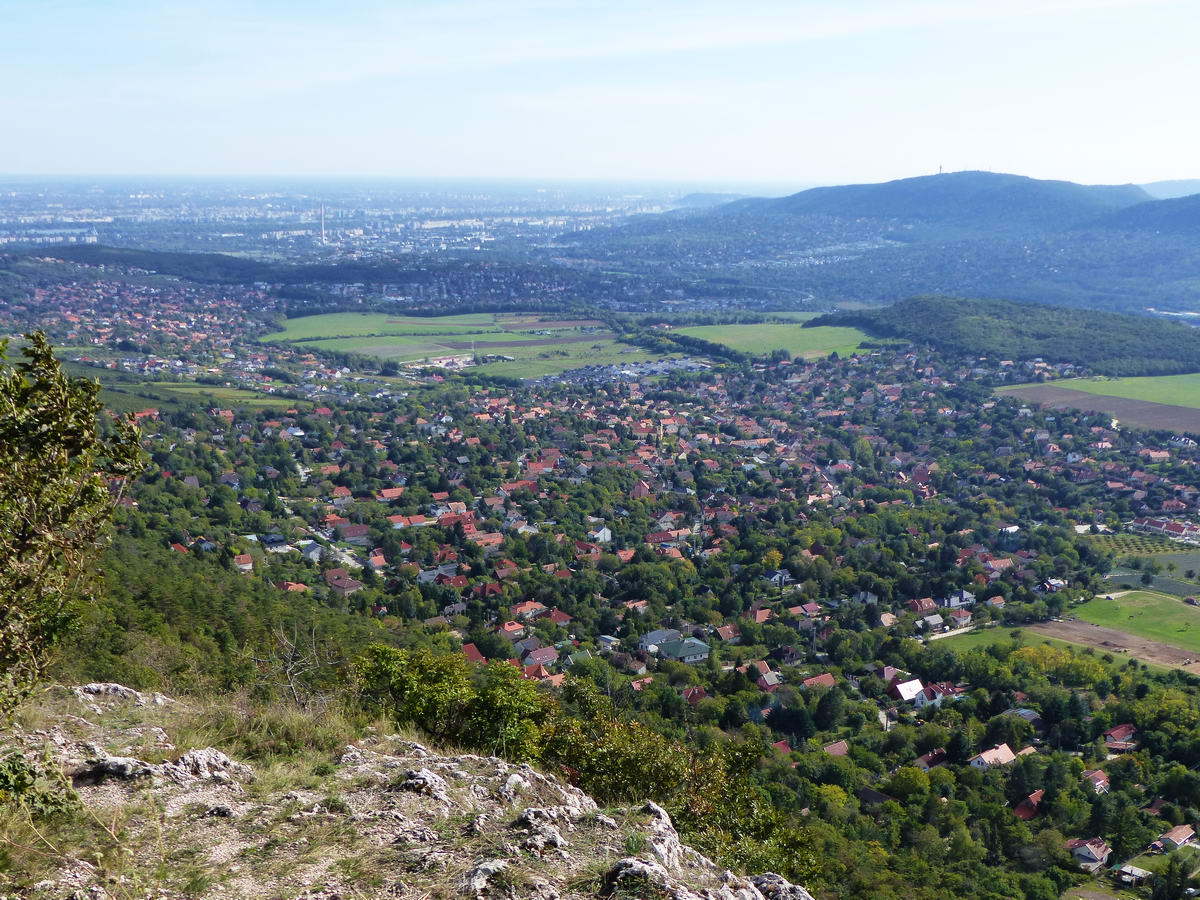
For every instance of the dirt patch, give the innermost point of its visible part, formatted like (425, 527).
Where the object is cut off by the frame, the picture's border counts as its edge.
(1120, 643)
(1141, 413)
(484, 346)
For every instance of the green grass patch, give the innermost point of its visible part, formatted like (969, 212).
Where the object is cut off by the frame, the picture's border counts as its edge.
(534, 362)
(1146, 614)
(763, 338)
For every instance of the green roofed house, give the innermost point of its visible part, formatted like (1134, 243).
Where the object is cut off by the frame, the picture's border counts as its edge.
(688, 650)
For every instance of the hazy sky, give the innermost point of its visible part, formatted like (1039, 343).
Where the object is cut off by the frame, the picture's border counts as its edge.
(802, 91)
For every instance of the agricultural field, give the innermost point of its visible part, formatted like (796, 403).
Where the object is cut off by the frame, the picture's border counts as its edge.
(307, 328)
(1169, 402)
(808, 343)
(1172, 390)
(1146, 614)
(1132, 544)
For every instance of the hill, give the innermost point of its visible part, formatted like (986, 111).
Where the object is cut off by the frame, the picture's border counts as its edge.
(336, 811)
(971, 201)
(1166, 190)
(706, 200)
(1102, 342)
(973, 234)
(1181, 214)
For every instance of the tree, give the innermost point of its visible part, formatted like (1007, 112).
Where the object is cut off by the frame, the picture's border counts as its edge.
(1172, 883)
(60, 471)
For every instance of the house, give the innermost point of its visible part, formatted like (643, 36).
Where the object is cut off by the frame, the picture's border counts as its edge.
(825, 679)
(608, 642)
(1119, 738)
(543, 656)
(932, 759)
(933, 623)
(528, 609)
(730, 634)
(693, 695)
(934, 693)
(956, 600)
(837, 748)
(779, 577)
(689, 650)
(1028, 808)
(922, 606)
(1090, 853)
(906, 691)
(769, 681)
(244, 563)
(343, 585)
(1179, 836)
(960, 618)
(657, 637)
(1097, 779)
(471, 652)
(354, 534)
(1000, 755)
(511, 631)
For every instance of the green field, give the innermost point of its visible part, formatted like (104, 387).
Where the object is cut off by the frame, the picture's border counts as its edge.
(550, 346)
(759, 339)
(1174, 390)
(988, 637)
(1154, 616)
(307, 328)
(225, 396)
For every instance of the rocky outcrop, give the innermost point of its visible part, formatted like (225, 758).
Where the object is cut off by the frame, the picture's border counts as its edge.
(382, 817)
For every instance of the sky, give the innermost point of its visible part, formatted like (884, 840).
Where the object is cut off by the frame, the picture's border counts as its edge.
(792, 92)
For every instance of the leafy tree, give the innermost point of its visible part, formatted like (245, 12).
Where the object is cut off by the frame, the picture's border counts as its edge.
(59, 470)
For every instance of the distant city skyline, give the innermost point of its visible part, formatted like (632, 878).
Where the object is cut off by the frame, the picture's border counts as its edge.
(782, 94)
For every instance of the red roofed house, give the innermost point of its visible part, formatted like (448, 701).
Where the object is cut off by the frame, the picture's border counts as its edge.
(1098, 779)
(1028, 808)
(511, 631)
(826, 679)
(922, 606)
(471, 652)
(1119, 738)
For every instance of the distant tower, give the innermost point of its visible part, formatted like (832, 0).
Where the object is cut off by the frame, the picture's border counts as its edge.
(322, 223)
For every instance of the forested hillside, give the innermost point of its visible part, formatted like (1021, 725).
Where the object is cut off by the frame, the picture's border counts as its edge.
(1102, 342)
